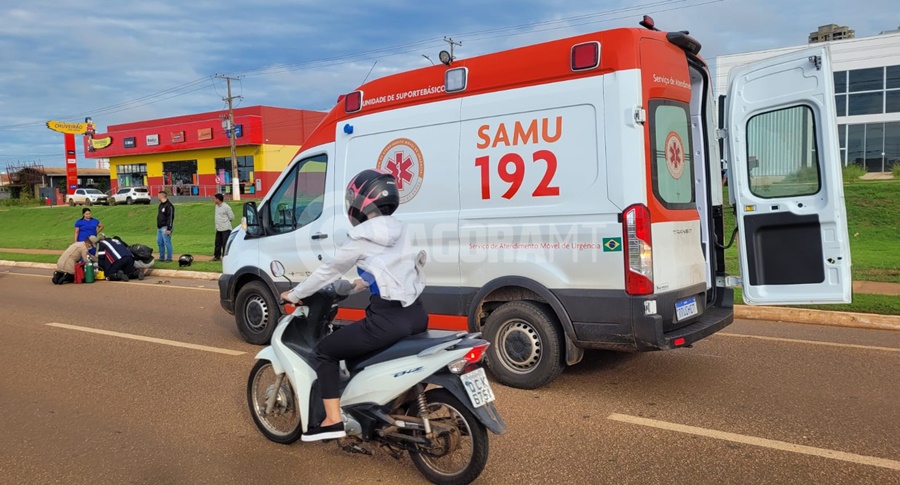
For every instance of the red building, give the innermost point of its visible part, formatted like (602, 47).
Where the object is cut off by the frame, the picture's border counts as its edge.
(191, 155)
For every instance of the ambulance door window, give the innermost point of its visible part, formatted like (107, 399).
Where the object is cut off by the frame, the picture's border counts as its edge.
(781, 153)
(298, 200)
(670, 144)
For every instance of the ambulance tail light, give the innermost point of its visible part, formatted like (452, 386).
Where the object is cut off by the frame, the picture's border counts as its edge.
(353, 102)
(585, 56)
(638, 250)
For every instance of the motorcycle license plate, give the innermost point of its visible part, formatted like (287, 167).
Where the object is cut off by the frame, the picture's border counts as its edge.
(686, 308)
(478, 387)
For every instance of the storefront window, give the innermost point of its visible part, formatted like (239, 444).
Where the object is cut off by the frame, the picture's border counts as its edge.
(180, 176)
(132, 175)
(246, 174)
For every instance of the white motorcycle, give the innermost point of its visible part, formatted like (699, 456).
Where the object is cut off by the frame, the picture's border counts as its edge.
(383, 395)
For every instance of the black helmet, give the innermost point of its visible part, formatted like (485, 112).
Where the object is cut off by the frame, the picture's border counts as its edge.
(369, 192)
(185, 260)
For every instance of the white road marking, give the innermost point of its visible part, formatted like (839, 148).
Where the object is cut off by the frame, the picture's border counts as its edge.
(133, 282)
(173, 343)
(762, 442)
(810, 342)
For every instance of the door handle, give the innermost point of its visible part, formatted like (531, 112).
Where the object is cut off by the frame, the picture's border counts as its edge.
(319, 235)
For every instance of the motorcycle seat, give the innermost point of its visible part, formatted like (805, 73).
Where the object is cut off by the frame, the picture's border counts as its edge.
(411, 345)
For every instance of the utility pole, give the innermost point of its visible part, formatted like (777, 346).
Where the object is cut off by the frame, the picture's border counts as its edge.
(452, 43)
(235, 185)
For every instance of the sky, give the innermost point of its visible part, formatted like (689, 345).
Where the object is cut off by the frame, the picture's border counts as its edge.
(126, 61)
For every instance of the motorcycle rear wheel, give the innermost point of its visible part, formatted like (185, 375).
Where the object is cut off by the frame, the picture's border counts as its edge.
(466, 462)
(283, 424)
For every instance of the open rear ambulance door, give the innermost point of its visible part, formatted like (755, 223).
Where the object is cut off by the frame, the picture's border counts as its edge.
(785, 178)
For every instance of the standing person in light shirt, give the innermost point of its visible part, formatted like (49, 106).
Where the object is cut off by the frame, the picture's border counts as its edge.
(224, 217)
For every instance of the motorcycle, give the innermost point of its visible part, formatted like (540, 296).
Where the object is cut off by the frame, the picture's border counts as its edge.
(426, 395)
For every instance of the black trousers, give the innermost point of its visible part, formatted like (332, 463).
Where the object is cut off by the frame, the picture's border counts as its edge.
(126, 265)
(221, 239)
(60, 278)
(386, 323)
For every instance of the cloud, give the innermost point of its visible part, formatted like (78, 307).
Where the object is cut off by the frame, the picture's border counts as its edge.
(132, 60)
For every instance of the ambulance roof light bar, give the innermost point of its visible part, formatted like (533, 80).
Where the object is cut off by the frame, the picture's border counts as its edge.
(353, 102)
(585, 56)
(648, 23)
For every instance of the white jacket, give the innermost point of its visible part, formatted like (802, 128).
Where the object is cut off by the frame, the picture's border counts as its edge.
(381, 247)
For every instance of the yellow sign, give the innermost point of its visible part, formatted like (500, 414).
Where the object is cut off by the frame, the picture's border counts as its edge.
(100, 143)
(69, 128)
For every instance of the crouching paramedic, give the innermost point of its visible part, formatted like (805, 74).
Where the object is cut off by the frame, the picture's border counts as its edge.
(118, 262)
(65, 266)
(381, 249)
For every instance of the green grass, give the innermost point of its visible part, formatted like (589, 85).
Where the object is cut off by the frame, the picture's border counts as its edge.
(873, 219)
(53, 227)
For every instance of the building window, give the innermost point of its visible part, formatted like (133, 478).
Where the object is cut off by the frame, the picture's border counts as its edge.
(132, 175)
(856, 143)
(893, 77)
(892, 101)
(840, 82)
(180, 176)
(840, 101)
(875, 147)
(245, 169)
(871, 79)
(866, 104)
(891, 145)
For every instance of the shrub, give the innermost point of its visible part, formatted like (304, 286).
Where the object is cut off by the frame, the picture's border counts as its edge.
(896, 170)
(853, 172)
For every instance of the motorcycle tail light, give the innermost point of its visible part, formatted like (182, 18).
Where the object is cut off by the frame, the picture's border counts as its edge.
(476, 354)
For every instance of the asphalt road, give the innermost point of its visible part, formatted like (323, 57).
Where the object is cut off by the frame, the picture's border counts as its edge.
(760, 402)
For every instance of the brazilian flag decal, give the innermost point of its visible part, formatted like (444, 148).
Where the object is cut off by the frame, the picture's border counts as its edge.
(612, 244)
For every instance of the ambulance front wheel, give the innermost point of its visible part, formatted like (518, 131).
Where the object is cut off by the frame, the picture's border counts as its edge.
(526, 349)
(256, 312)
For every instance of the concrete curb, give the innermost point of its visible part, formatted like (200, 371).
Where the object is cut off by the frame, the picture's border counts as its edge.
(168, 273)
(818, 317)
(777, 314)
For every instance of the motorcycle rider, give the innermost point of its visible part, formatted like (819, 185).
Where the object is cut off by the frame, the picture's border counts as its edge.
(381, 249)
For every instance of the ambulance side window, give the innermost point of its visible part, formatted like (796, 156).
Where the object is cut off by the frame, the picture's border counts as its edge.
(298, 200)
(781, 153)
(672, 167)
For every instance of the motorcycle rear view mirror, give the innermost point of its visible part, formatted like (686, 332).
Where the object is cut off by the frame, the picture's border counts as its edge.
(276, 268)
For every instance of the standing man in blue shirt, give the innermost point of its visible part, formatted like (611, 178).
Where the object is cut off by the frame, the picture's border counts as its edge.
(165, 218)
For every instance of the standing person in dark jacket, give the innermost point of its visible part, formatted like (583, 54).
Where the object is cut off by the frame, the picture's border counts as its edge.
(165, 218)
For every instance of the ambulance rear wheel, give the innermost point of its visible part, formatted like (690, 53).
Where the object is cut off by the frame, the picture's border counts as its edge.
(526, 345)
(256, 312)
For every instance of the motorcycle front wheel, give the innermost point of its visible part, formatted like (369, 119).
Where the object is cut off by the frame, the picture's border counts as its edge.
(283, 424)
(460, 457)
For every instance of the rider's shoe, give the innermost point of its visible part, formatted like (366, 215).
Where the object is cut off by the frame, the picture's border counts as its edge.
(331, 432)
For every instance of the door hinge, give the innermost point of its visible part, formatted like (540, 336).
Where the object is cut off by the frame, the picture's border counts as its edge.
(817, 61)
(721, 133)
(728, 281)
(640, 114)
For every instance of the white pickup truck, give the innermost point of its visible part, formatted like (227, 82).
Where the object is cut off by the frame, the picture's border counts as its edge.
(87, 197)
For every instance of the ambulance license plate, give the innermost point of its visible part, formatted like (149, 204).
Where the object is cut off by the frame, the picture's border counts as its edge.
(686, 308)
(478, 387)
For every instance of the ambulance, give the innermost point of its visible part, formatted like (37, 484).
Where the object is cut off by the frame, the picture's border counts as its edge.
(569, 196)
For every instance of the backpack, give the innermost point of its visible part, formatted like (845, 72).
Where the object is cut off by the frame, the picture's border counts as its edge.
(141, 253)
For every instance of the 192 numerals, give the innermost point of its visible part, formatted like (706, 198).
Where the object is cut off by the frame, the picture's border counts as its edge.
(511, 170)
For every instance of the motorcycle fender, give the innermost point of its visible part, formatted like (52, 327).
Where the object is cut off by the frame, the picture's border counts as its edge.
(487, 414)
(268, 353)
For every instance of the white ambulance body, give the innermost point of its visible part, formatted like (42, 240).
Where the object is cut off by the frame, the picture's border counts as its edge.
(569, 196)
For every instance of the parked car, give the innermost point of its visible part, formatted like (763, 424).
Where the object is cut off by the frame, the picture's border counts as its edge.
(87, 197)
(130, 195)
